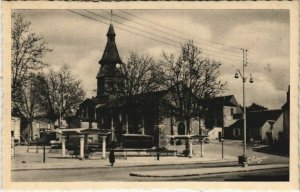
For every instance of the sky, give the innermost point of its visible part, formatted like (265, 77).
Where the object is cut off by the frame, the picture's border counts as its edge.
(79, 42)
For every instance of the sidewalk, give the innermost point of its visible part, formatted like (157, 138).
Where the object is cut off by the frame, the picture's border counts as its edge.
(205, 171)
(34, 161)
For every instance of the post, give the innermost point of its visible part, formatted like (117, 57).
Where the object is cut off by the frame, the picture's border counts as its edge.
(81, 147)
(191, 148)
(202, 146)
(126, 120)
(12, 144)
(63, 146)
(174, 144)
(222, 135)
(103, 147)
(244, 115)
(44, 153)
(112, 127)
(143, 126)
(157, 129)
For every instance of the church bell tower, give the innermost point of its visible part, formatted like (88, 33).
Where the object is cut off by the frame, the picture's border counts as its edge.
(109, 77)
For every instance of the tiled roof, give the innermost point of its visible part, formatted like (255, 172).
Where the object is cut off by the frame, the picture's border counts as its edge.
(225, 100)
(256, 119)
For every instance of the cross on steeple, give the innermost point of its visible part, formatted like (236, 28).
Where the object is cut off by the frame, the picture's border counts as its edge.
(111, 14)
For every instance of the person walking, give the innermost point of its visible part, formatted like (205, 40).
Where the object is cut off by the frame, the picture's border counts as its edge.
(112, 154)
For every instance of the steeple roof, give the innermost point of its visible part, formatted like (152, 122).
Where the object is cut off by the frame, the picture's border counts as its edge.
(110, 55)
(111, 31)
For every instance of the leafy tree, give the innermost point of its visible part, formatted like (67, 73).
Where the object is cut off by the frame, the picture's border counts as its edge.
(27, 54)
(61, 93)
(191, 78)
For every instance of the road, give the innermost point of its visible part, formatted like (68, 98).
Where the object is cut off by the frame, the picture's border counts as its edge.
(122, 174)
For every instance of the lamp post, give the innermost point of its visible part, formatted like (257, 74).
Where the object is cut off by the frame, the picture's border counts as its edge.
(237, 73)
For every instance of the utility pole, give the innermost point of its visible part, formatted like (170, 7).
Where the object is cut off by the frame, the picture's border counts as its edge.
(222, 136)
(244, 162)
(244, 114)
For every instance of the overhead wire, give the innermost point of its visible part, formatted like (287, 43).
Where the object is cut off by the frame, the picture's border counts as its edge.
(133, 27)
(173, 41)
(121, 28)
(258, 62)
(221, 57)
(172, 34)
(274, 74)
(169, 28)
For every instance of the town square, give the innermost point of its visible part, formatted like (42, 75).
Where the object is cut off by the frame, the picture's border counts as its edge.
(139, 95)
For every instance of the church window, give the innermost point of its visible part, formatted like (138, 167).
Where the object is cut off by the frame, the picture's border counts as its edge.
(236, 132)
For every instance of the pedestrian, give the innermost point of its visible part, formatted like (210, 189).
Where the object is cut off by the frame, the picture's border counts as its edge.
(112, 157)
(112, 154)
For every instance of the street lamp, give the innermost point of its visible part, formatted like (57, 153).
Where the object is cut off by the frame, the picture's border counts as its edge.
(237, 74)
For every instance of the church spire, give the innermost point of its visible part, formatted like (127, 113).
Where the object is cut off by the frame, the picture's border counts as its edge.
(111, 32)
(108, 74)
(110, 55)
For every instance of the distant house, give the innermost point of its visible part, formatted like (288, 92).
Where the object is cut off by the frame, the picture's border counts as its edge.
(286, 122)
(221, 111)
(37, 124)
(261, 126)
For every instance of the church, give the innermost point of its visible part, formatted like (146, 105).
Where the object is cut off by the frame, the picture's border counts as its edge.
(110, 111)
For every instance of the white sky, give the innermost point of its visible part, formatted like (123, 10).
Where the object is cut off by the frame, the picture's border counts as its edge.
(79, 42)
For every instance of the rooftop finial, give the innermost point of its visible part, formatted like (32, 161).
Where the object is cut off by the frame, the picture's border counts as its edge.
(111, 14)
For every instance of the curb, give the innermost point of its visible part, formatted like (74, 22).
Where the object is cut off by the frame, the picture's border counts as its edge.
(121, 166)
(201, 174)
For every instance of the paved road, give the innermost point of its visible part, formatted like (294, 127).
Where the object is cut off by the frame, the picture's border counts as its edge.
(122, 174)
(235, 149)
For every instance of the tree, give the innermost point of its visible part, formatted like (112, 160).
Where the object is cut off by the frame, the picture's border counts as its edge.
(255, 107)
(27, 54)
(142, 75)
(28, 101)
(61, 93)
(192, 78)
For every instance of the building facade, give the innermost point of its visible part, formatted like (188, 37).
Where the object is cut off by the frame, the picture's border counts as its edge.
(109, 110)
